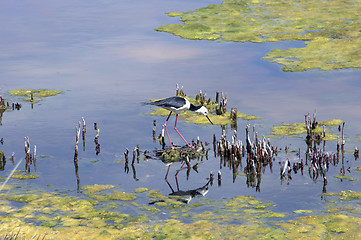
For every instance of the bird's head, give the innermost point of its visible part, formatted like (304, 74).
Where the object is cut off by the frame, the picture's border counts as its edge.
(204, 111)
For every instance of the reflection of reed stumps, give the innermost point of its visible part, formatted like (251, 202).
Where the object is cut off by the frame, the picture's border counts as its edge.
(77, 136)
(12, 158)
(343, 136)
(134, 153)
(134, 173)
(214, 144)
(32, 100)
(219, 177)
(126, 167)
(76, 167)
(27, 154)
(154, 127)
(2, 141)
(83, 132)
(2, 162)
(95, 126)
(211, 178)
(356, 153)
(97, 145)
(34, 158)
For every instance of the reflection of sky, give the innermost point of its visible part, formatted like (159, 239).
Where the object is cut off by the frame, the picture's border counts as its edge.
(111, 49)
(107, 59)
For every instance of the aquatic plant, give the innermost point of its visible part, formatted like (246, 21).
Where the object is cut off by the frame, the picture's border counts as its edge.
(34, 95)
(57, 217)
(330, 29)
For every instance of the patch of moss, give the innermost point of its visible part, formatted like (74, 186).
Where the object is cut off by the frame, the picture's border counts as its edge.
(289, 129)
(123, 196)
(330, 29)
(38, 94)
(345, 195)
(26, 198)
(174, 14)
(331, 122)
(286, 129)
(345, 177)
(190, 117)
(24, 176)
(303, 211)
(68, 217)
(141, 189)
(97, 188)
(156, 194)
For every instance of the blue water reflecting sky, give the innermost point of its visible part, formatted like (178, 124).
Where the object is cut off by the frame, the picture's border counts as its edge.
(107, 59)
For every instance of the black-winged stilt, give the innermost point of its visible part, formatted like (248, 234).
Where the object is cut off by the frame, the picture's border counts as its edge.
(176, 105)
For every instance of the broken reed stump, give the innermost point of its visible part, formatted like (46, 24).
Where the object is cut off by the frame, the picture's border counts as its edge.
(222, 103)
(259, 154)
(97, 145)
(179, 92)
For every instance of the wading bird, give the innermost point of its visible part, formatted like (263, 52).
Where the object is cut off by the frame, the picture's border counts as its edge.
(176, 105)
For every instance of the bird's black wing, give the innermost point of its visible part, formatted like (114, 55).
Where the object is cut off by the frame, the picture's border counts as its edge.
(171, 102)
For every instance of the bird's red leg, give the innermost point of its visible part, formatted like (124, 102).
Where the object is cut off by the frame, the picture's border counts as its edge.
(175, 128)
(165, 127)
(166, 175)
(176, 175)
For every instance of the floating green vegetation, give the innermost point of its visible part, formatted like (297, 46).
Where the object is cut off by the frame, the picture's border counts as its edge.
(346, 195)
(331, 123)
(330, 29)
(34, 95)
(141, 189)
(178, 154)
(358, 169)
(24, 176)
(286, 129)
(123, 196)
(242, 217)
(303, 211)
(289, 129)
(97, 188)
(174, 14)
(342, 177)
(190, 117)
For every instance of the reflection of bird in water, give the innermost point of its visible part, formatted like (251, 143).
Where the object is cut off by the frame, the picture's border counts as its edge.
(186, 196)
(176, 105)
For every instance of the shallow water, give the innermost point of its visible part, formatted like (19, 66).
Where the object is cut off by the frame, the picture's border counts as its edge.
(107, 60)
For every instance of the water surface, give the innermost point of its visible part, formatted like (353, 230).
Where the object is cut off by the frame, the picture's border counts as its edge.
(107, 59)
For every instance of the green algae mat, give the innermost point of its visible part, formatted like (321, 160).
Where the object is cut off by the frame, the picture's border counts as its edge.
(330, 29)
(59, 216)
(34, 95)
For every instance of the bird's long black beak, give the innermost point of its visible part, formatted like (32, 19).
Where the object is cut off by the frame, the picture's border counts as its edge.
(209, 119)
